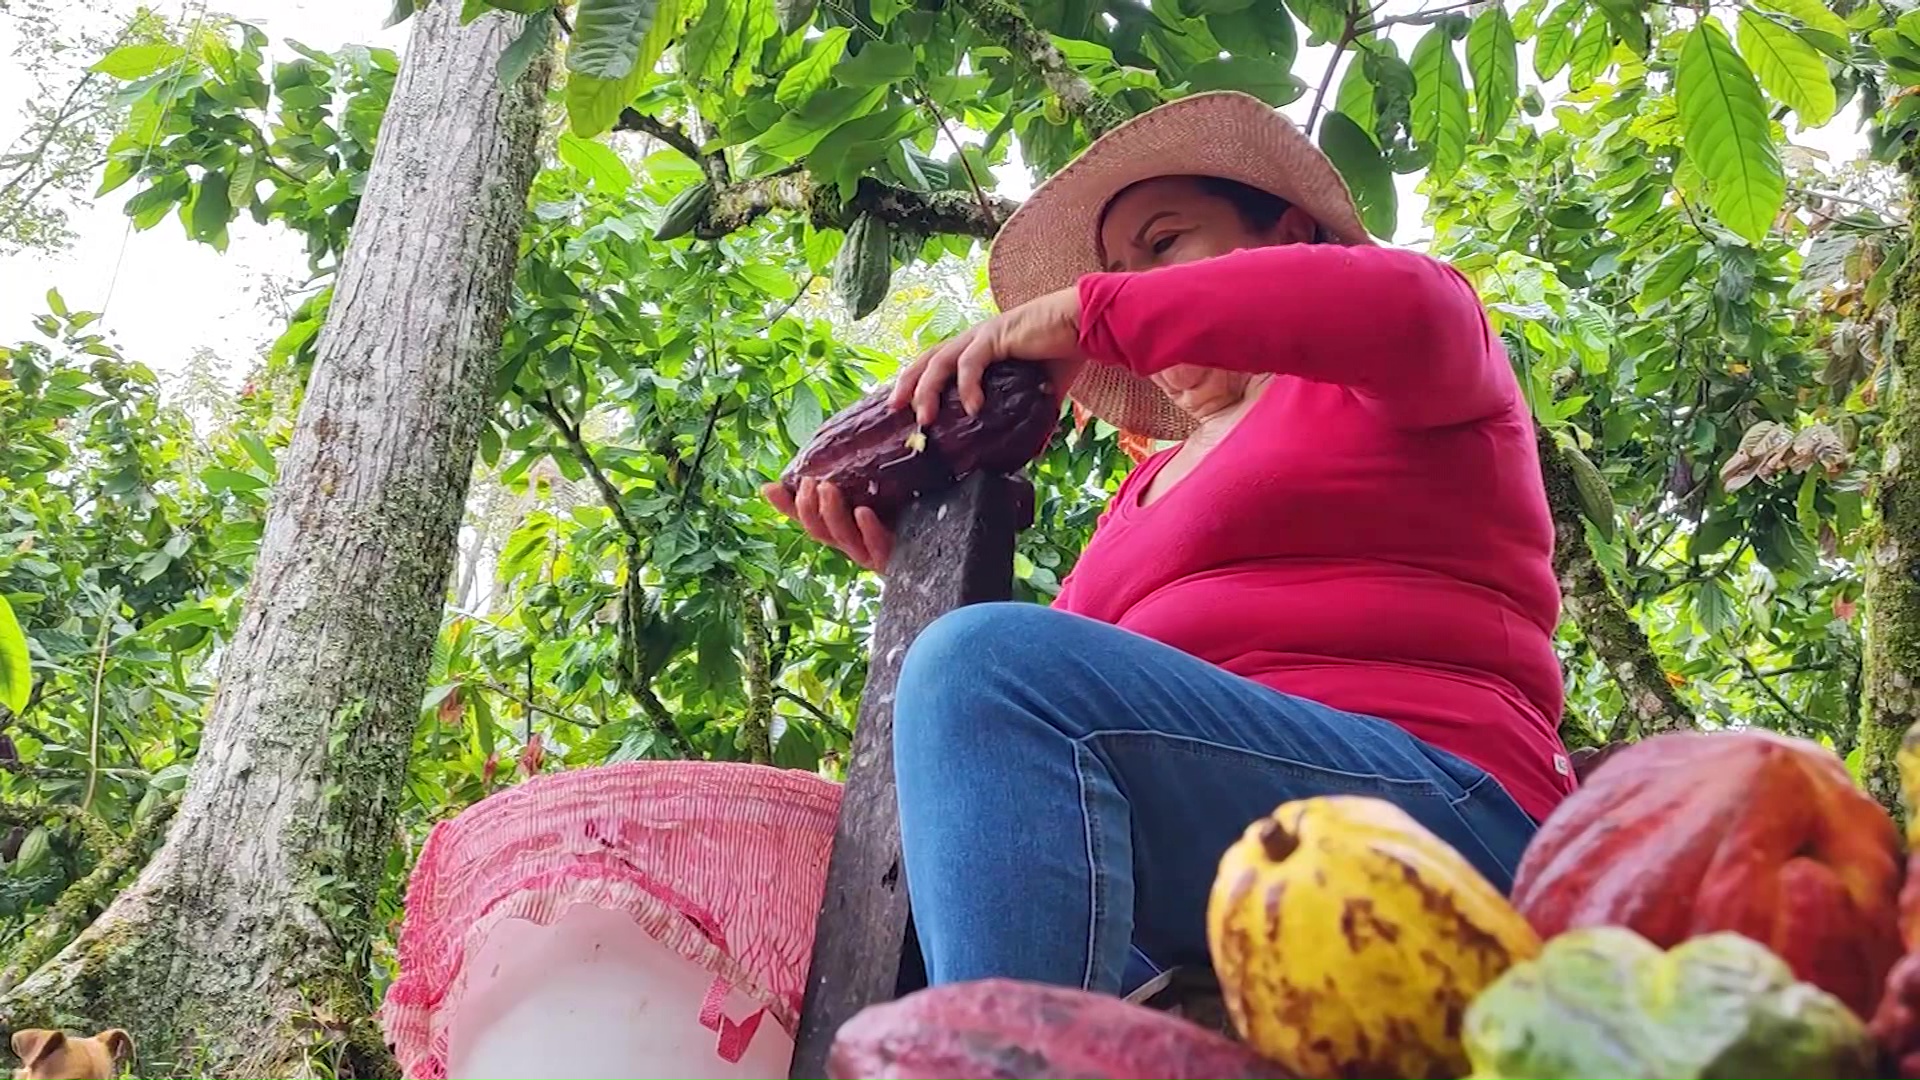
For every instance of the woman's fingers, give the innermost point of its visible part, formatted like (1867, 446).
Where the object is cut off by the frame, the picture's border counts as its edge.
(840, 524)
(934, 378)
(908, 379)
(969, 368)
(878, 537)
(777, 494)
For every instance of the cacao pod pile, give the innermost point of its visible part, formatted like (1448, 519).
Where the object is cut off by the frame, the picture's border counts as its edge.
(1705, 907)
(881, 458)
(1748, 831)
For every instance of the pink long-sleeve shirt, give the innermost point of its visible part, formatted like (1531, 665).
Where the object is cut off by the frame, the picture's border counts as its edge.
(1373, 534)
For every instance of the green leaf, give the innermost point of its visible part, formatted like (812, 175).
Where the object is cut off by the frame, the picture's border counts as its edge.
(210, 211)
(1326, 18)
(597, 162)
(708, 53)
(797, 133)
(56, 303)
(1259, 30)
(1788, 67)
(1724, 132)
(1813, 14)
(803, 79)
(1355, 154)
(1440, 122)
(402, 11)
(1625, 17)
(1493, 58)
(528, 44)
(1268, 80)
(1553, 47)
(880, 63)
(1712, 606)
(610, 37)
(804, 415)
(1355, 97)
(1672, 271)
(130, 62)
(16, 675)
(1590, 52)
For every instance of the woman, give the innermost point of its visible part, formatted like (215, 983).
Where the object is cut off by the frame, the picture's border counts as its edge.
(1338, 581)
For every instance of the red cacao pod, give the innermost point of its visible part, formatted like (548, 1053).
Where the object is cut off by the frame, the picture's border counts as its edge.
(1686, 834)
(1006, 1028)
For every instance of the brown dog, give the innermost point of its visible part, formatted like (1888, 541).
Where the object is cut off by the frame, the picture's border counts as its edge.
(55, 1055)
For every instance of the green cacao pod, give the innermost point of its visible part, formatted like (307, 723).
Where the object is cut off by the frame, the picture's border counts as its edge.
(1605, 1002)
(1596, 498)
(864, 268)
(33, 850)
(794, 14)
(684, 212)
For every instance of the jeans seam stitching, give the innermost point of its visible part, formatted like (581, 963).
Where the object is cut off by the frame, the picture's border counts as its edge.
(1294, 766)
(1094, 898)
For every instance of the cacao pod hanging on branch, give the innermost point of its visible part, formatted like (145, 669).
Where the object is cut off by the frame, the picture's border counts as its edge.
(684, 212)
(864, 267)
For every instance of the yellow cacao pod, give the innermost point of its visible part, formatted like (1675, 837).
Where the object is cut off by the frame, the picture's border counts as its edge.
(1349, 940)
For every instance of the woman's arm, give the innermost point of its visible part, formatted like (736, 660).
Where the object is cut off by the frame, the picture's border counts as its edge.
(1399, 328)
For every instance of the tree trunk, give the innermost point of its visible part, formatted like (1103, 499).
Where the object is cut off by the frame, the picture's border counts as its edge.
(1606, 623)
(1892, 671)
(243, 947)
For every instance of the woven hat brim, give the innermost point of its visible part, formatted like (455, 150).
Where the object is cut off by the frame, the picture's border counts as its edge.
(1053, 238)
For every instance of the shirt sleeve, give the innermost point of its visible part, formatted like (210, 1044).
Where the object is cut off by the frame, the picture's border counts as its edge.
(1400, 329)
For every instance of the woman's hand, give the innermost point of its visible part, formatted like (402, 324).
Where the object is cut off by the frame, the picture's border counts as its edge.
(1045, 329)
(820, 509)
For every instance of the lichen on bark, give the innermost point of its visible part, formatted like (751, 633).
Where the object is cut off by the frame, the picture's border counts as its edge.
(1603, 619)
(242, 947)
(1891, 677)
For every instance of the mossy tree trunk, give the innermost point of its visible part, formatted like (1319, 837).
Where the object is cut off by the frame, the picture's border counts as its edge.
(1652, 705)
(1892, 671)
(242, 948)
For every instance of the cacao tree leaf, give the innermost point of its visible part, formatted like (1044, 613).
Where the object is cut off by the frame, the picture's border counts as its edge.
(1440, 122)
(1625, 17)
(794, 14)
(16, 674)
(1258, 30)
(1554, 45)
(402, 11)
(814, 70)
(879, 63)
(1788, 68)
(1666, 276)
(611, 37)
(1590, 53)
(209, 211)
(597, 162)
(804, 415)
(708, 52)
(1493, 58)
(1724, 132)
(1355, 97)
(1812, 14)
(1268, 80)
(130, 62)
(527, 44)
(1355, 154)
(1327, 19)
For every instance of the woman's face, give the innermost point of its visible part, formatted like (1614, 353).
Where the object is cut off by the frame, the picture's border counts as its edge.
(1175, 220)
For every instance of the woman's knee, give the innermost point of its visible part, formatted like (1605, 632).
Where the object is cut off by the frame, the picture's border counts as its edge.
(969, 663)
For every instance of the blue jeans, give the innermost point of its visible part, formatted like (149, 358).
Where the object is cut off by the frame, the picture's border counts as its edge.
(1067, 788)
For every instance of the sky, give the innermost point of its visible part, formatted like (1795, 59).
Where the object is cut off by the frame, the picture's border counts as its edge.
(166, 297)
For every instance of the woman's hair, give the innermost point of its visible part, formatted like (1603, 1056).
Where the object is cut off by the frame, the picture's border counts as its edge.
(1258, 210)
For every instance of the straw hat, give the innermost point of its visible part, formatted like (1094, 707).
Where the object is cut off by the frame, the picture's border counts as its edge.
(1054, 237)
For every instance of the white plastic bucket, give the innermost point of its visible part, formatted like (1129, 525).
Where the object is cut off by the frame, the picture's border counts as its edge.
(594, 995)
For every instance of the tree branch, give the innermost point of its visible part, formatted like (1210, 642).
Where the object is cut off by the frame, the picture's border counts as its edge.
(1616, 638)
(816, 711)
(738, 205)
(1766, 685)
(756, 731)
(1031, 46)
(98, 836)
(74, 910)
(578, 446)
(714, 165)
(534, 707)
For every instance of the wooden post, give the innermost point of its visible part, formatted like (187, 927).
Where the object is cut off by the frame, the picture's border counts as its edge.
(951, 549)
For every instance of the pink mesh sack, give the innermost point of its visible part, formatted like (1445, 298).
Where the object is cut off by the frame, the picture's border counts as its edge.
(723, 864)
